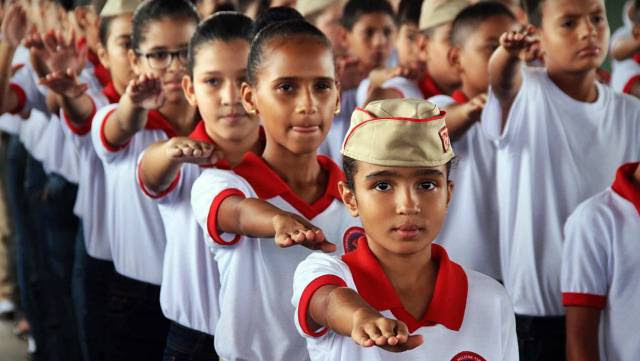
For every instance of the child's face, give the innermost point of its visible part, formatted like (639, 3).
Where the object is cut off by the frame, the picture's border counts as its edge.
(402, 209)
(435, 49)
(164, 53)
(329, 23)
(574, 35)
(219, 71)
(114, 55)
(295, 94)
(371, 39)
(407, 46)
(473, 56)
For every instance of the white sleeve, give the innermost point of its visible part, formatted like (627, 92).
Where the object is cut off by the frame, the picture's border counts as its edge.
(168, 195)
(509, 336)
(105, 151)
(442, 101)
(211, 188)
(361, 92)
(585, 266)
(30, 97)
(11, 123)
(317, 270)
(80, 134)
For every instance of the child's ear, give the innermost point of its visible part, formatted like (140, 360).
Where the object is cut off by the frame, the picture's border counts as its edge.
(80, 14)
(453, 56)
(189, 92)
(349, 198)
(134, 60)
(248, 101)
(423, 42)
(450, 187)
(103, 56)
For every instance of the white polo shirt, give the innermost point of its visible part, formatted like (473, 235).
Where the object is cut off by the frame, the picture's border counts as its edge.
(470, 232)
(137, 237)
(255, 311)
(602, 265)
(626, 72)
(96, 221)
(469, 317)
(554, 153)
(24, 84)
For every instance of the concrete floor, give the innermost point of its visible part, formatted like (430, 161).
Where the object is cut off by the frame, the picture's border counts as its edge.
(11, 347)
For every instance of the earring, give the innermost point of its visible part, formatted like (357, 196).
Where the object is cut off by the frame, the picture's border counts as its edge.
(338, 110)
(251, 111)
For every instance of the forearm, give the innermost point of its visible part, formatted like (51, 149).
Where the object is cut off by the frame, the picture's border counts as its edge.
(504, 75)
(124, 123)
(457, 121)
(335, 308)
(157, 169)
(78, 110)
(248, 216)
(625, 48)
(8, 100)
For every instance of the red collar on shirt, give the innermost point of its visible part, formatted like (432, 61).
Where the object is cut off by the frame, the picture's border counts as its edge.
(624, 185)
(157, 121)
(268, 184)
(449, 296)
(200, 133)
(459, 97)
(636, 57)
(110, 92)
(101, 73)
(429, 87)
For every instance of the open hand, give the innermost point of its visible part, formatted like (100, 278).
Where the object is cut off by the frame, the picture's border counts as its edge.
(64, 83)
(14, 25)
(187, 150)
(292, 230)
(372, 329)
(63, 53)
(146, 91)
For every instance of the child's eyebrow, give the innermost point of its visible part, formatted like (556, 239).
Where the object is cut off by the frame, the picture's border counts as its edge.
(296, 78)
(381, 173)
(419, 172)
(429, 172)
(179, 47)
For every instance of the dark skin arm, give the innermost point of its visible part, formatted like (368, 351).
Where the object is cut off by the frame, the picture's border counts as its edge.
(582, 333)
(13, 31)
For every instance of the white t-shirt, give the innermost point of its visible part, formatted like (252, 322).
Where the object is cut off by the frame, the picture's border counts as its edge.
(255, 275)
(469, 317)
(554, 153)
(96, 221)
(470, 233)
(137, 237)
(602, 265)
(406, 89)
(190, 278)
(624, 73)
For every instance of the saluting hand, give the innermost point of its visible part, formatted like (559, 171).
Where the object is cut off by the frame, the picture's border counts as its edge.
(292, 230)
(14, 25)
(187, 150)
(370, 328)
(146, 92)
(64, 83)
(522, 44)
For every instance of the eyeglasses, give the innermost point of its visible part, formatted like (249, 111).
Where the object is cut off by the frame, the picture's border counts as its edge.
(162, 59)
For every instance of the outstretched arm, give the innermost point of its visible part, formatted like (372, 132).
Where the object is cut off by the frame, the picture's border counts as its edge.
(582, 333)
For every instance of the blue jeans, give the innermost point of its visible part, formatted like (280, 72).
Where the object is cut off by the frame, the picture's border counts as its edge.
(137, 328)
(185, 344)
(91, 281)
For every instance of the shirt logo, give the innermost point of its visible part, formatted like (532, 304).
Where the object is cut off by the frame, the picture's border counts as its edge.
(350, 239)
(468, 356)
(444, 137)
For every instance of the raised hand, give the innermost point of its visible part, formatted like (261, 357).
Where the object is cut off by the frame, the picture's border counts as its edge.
(14, 25)
(187, 150)
(372, 329)
(473, 108)
(292, 230)
(62, 54)
(350, 72)
(146, 92)
(519, 43)
(64, 83)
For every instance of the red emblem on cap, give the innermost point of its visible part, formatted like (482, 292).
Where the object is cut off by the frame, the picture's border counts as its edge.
(444, 137)
(350, 239)
(468, 356)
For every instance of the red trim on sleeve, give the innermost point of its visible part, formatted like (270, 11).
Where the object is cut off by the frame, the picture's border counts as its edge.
(22, 98)
(584, 300)
(212, 218)
(154, 195)
(85, 127)
(630, 83)
(103, 138)
(305, 300)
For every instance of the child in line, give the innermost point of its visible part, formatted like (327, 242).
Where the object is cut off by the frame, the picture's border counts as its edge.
(625, 51)
(600, 269)
(153, 107)
(550, 123)
(470, 233)
(291, 86)
(190, 281)
(397, 291)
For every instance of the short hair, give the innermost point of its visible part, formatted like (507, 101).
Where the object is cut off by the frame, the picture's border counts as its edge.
(533, 8)
(473, 16)
(224, 26)
(355, 9)
(281, 30)
(104, 29)
(275, 15)
(156, 10)
(409, 12)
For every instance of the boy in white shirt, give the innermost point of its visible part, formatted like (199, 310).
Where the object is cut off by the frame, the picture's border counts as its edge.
(550, 124)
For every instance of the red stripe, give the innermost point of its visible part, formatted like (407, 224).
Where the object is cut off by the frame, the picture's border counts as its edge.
(305, 300)
(85, 127)
(212, 218)
(583, 300)
(630, 83)
(22, 98)
(103, 138)
(154, 195)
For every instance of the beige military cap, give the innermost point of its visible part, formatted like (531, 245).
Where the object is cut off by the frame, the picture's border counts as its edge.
(439, 12)
(399, 133)
(119, 7)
